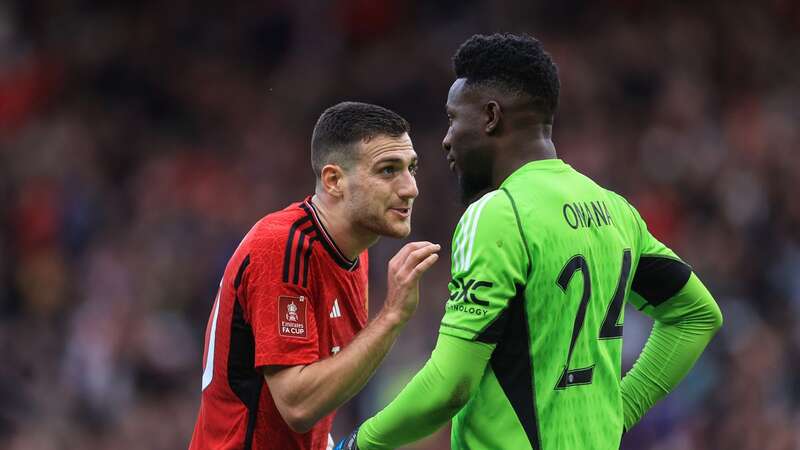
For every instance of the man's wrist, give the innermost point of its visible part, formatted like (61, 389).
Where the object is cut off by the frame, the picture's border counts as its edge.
(392, 320)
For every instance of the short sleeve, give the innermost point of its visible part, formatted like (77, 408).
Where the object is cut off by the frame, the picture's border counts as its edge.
(489, 265)
(659, 273)
(280, 313)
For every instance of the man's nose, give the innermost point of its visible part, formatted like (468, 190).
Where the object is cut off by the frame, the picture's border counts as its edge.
(408, 187)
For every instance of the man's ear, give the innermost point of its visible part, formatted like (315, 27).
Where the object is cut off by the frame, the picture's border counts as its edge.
(494, 115)
(332, 180)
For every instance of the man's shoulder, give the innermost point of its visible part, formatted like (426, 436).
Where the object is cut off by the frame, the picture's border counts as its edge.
(493, 209)
(271, 232)
(490, 217)
(279, 244)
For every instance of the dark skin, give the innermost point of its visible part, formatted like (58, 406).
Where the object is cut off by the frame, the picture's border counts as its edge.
(492, 133)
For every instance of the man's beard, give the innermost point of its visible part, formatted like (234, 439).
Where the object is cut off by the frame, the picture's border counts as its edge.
(377, 224)
(473, 185)
(474, 172)
(381, 227)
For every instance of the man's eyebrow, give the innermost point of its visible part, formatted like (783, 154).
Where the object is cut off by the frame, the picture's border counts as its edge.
(394, 159)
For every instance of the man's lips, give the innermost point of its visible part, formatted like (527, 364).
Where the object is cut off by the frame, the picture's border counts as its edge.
(452, 163)
(403, 212)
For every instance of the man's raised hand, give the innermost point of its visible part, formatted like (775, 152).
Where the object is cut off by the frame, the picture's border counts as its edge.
(405, 270)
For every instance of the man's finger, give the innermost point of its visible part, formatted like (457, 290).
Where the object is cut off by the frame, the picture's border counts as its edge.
(424, 265)
(409, 248)
(420, 254)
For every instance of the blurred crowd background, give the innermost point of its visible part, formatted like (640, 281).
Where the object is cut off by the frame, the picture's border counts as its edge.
(140, 141)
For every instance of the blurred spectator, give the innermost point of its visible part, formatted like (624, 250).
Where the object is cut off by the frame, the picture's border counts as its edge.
(139, 142)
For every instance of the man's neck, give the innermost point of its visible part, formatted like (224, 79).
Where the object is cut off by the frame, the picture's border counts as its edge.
(350, 240)
(517, 155)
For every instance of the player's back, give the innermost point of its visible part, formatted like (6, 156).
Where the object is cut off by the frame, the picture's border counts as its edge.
(554, 377)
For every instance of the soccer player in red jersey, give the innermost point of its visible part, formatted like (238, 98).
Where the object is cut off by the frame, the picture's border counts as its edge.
(287, 341)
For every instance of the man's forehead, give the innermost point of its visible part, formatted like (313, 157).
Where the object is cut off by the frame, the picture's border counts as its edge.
(383, 146)
(455, 89)
(458, 93)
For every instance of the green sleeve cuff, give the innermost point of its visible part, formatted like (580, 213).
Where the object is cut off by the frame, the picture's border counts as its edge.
(435, 394)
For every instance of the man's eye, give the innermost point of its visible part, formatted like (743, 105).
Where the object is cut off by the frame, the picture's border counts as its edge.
(388, 170)
(413, 170)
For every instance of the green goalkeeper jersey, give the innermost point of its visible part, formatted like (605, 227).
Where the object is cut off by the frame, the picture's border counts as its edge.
(542, 267)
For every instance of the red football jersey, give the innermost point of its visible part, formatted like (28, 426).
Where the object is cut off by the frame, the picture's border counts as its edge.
(288, 297)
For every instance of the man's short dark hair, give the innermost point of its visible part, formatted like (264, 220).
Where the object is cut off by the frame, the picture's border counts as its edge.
(515, 63)
(344, 125)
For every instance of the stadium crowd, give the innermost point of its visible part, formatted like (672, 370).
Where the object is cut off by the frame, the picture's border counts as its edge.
(139, 143)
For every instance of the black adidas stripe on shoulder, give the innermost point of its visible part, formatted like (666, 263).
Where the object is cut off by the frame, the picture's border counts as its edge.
(302, 236)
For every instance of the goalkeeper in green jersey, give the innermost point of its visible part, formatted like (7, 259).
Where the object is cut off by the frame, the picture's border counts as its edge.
(543, 261)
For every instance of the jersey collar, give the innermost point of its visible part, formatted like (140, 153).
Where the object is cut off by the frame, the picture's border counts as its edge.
(553, 165)
(327, 241)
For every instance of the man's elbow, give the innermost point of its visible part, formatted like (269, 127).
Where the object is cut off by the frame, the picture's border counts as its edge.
(292, 403)
(299, 419)
(298, 414)
(459, 396)
(716, 317)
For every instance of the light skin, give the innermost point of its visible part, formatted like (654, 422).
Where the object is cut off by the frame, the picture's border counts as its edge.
(371, 199)
(491, 134)
(357, 205)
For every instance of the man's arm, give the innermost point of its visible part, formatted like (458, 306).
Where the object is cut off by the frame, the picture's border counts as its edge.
(304, 394)
(435, 394)
(686, 318)
(489, 263)
(684, 325)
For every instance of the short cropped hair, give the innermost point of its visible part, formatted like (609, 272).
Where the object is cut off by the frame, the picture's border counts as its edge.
(344, 125)
(515, 63)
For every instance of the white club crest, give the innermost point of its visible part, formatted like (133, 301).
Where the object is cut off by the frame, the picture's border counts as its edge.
(291, 316)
